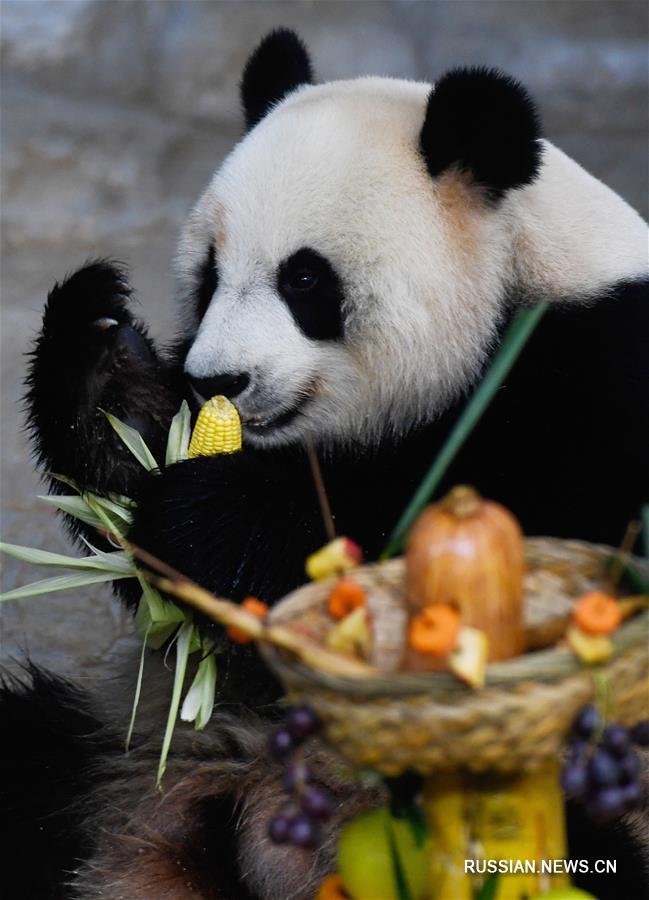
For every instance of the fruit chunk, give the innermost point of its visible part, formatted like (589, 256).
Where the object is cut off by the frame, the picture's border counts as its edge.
(258, 609)
(338, 555)
(331, 889)
(469, 658)
(351, 634)
(346, 596)
(435, 629)
(365, 861)
(597, 613)
(590, 648)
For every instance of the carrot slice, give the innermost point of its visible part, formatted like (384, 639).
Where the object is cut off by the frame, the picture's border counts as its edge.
(597, 613)
(346, 596)
(435, 629)
(258, 609)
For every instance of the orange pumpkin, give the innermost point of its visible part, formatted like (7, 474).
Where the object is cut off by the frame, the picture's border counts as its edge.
(469, 553)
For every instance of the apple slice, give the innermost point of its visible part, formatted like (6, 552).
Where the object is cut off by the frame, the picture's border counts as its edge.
(590, 648)
(351, 634)
(468, 660)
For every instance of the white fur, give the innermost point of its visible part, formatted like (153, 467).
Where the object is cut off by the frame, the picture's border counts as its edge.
(425, 264)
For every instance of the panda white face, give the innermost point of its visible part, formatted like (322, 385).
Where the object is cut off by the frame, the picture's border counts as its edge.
(346, 293)
(343, 275)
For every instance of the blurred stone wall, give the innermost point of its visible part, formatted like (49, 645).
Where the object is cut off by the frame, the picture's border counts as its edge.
(115, 113)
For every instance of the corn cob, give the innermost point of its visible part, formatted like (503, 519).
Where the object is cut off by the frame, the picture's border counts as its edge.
(217, 429)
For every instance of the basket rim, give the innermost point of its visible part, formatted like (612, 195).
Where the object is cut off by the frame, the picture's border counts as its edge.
(546, 665)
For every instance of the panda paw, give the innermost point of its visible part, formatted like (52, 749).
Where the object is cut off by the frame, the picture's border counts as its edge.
(87, 319)
(92, 355)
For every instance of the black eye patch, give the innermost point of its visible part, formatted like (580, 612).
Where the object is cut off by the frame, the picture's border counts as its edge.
(207, 281)
(314, 294)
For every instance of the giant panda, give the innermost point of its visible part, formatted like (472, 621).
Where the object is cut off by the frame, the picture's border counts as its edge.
(345, 278)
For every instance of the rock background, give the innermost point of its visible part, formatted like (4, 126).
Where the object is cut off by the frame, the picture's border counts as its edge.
(115, 113)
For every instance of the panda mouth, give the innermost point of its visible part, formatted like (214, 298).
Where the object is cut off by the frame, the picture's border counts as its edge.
(265, 424)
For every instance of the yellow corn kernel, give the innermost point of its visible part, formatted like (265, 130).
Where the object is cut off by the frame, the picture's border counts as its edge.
(217, 429)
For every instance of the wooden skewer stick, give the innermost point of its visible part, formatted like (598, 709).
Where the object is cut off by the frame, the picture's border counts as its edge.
(621, 558)
(323, 499)
(227, 613)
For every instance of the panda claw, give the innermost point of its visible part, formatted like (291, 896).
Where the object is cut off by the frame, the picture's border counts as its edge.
(104, 323)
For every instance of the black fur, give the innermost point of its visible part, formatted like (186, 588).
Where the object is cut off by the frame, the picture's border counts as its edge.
(279, 65)
(615, 842)
(482, 122)
(314, 294)
(50, 738)
(78, 368)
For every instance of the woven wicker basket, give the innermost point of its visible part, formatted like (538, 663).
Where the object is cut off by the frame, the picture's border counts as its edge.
(431, 722)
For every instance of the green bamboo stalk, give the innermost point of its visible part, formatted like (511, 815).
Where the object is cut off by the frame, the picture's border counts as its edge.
(513, 342)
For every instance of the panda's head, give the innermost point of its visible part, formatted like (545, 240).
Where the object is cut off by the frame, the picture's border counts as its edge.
(344, 274)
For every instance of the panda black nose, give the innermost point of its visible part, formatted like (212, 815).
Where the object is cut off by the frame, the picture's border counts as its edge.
(226, 384)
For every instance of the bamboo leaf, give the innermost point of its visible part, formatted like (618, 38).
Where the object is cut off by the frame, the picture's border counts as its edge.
(117, 559)
(120, 499)
(138, 691)
(182, 655)
(116, 562)
(199, 701)
(60, 583)
(513, 342)
(179, 435)
(397, 866)
(115, 504)
(134, 441)
(75, 507)
(160, 625)
(115, 509)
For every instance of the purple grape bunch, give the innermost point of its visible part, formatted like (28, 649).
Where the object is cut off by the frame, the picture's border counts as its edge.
(310, 804)
(603, 768)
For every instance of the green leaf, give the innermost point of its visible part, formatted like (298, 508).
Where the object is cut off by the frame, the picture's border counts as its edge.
(399, 874)
(118, 499)
(182, 655)
(416, 819)
(489, 888)
(156, 617)
(113, 559)
(74, 506)
(161, 611)
(199, 701)
(116, 506)
(60, 583)
(116, 562)
(134, 441)
(513, 342)
(114, 509)
(636, 580)
(138, 691)
(179, 435)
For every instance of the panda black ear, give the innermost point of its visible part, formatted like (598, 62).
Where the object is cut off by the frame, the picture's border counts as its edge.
(279, 65)
(485, 123)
